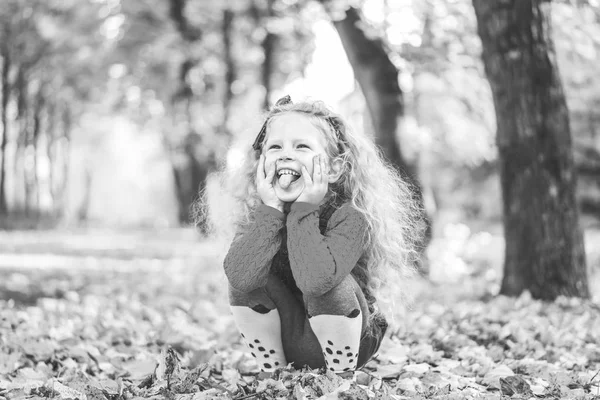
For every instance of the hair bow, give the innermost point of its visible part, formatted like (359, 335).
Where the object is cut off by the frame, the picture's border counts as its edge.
(263, 131)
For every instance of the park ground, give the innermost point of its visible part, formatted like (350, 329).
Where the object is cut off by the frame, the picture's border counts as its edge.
(95, 314)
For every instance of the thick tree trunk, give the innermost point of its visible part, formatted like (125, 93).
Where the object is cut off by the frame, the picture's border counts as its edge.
(6, 89)
(378, 79)
(544, 244)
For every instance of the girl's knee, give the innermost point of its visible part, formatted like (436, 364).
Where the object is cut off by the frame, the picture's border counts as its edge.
(256, 299)
(344, 299)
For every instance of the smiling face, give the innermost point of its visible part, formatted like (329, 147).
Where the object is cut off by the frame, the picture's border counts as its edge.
(292, 141)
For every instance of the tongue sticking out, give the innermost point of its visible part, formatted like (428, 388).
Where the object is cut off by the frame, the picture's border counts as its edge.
(286, 180)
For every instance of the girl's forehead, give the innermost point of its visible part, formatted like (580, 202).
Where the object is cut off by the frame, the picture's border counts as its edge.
(291, 125)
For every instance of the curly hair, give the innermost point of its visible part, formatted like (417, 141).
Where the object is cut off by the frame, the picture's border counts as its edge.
(374, 187)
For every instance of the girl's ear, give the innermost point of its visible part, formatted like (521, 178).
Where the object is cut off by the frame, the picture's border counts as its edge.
(336, 170)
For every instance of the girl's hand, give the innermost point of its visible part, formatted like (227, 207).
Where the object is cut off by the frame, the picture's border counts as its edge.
(315, 188)
(264, 185)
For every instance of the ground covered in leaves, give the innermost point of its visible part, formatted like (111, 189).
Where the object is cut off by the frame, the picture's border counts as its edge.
(134, 317)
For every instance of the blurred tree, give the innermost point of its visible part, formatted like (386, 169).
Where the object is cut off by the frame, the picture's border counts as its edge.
(190, 172)
(544, 243)
(46, 74)
(378, 79)
(268, 43)
(6, 92)
(234, 48)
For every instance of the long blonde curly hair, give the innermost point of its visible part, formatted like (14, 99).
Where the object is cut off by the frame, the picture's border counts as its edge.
(374, 187)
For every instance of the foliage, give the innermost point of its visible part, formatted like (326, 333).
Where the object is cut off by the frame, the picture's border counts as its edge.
(149, 319)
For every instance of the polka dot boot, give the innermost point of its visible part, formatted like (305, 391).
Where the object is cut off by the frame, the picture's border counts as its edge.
(262, 333)
(339, 337)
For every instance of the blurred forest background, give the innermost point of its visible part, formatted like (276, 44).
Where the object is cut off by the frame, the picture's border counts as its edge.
(114, 113)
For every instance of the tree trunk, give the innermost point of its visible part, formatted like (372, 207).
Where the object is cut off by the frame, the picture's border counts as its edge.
(189, 176)
(35, 139)
(268, 45)
(6, 89)
(51, 148)
(544, 243)
(228, 17)
(22, 140)
(378, 79)
(66, 122)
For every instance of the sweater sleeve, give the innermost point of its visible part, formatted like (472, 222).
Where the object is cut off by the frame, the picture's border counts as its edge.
(248, 261)
(321, 262)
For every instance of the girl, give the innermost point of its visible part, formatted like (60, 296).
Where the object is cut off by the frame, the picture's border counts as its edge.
(321, 221)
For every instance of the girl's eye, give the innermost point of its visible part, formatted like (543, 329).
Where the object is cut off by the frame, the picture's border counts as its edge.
(274, 146)
(303, 145)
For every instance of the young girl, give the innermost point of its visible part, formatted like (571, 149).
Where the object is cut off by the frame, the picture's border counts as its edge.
(321, 221)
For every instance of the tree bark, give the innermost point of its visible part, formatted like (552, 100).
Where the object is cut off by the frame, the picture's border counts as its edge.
(544, 243)
(6, 90)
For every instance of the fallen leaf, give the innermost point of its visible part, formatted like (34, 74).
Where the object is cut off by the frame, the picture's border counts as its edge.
(410, 385)
(139, 369)
(492, 378)
(390, 370)
(299, 392)
(515, 385)
(64, 392)
(8, 361)
(335, 394)
(418, 369)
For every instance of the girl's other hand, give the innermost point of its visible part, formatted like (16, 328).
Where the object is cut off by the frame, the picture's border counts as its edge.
(315, 188)
(264, 185)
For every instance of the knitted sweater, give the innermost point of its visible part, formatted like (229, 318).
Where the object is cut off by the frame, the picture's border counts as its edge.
(311, 249)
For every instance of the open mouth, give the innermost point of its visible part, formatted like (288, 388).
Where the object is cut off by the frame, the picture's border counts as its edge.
(287, 177)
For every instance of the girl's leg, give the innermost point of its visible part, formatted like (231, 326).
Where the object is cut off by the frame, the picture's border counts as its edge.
(339, 318)
(301, 346)
(259, 323)
(307, 327)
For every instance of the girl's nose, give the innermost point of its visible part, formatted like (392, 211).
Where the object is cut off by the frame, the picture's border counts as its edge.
(285, 156)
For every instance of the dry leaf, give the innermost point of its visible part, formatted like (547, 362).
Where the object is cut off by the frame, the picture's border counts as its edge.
(492, 378)
(515, 385)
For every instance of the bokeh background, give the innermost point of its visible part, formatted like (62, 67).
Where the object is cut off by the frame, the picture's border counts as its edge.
(115, 113)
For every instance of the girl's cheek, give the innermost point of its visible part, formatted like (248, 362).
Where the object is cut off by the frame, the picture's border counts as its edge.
(269, 161)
